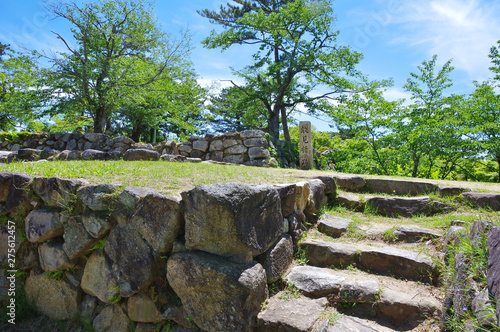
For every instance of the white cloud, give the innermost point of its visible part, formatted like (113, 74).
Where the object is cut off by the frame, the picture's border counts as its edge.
(464, 30)
(395, 93)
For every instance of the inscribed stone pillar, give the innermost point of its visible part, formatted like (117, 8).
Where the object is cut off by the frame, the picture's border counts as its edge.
(305, 145)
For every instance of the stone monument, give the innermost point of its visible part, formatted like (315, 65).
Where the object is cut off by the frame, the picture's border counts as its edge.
(305, 145)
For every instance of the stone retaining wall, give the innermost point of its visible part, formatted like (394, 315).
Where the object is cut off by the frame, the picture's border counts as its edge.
(248, 147)
(116, 256)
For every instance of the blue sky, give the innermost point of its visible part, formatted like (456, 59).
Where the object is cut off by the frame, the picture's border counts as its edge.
(394, 36)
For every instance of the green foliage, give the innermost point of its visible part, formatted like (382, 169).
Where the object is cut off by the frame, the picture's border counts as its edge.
(19, 84)
(298, 52)
(117, 56)
(300, 256)
(233, 111)
(290, 292)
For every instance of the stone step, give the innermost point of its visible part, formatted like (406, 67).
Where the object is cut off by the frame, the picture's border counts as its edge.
(415, 234)
(333, 226)
(385, 297)
(386, 260)
(392, 206)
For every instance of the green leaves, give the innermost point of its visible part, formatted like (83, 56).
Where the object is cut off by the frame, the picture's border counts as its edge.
(297, 52)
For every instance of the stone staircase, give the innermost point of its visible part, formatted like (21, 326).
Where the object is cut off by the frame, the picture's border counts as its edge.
(358, 285)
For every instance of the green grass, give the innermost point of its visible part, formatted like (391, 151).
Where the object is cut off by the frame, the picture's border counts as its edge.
(166, 177)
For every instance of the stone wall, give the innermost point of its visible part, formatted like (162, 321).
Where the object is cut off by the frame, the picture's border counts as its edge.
(248, 147)
(115, 256)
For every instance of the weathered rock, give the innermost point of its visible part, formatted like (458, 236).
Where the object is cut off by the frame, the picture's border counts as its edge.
(414, 233)
(454, 235)
(92, 154)
(201, 145)
(483, 309)
(133, 263)
(88, 306)
(253, 142)
(329, 182)
(178, 314)
(28, 155)
(236, 149)
(98, 279)
(400, 206)
(141, 154)
(53, 257)
(321, 253)
(252, 134)
(77, 241)
(258, 152)
(19, 199)
(296, 228)
(173, 158)
(353, 183)
(194, 160)
(5, 181)
(399, 187)
(350, 201)
(479, 232)
(317, 197)
(72, 145)
(112, 318)
(124, 140)
(278, 258)
(362, 291)
(92, 137)
(57, 192)
(234, 159)
(351, 324)
(216, 146)
(97, 226)
(196, 154)
(232, 220)
(185, 148)
(130, 196)
(217, 294)
(407, 264)
(98, 197)
(158, 218)
(141, 308)
(397, 306)
(483, 200)
(446, 191)
(302, 192)
(295, 315)
(493, 275)
(287, 196)
(314, 281)
(333, 226)
(142, 146)
(57, 299)
(42, 225)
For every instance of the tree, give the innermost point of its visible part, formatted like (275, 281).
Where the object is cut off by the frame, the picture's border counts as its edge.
(422, 126)
(18, 89)
(495, 60)
(297, 52)
(367, 117)
(483, 117)
(232, 111)
(112, 39)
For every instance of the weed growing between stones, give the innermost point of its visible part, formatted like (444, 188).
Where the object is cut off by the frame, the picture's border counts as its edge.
(332, 315)
(465, 276)
(300, 256)
(390, 235)
(290, 292)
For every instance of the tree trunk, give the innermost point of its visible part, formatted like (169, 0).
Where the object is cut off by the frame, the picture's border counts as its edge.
(100, 120)
(274, 125)
(416, 160)
(498, 162)
(284, 123)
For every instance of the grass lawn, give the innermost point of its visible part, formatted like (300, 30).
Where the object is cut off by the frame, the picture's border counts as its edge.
(173, 178)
